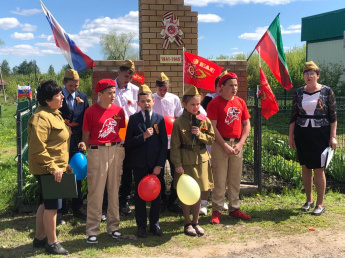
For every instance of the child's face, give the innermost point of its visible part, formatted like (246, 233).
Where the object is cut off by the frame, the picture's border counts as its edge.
(193, 105)
(229, 89)
(145, 102)
(108, 95)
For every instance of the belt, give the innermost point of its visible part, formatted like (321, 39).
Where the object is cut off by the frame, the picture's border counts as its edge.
(230, 139)
(193, 148)
(108, 144)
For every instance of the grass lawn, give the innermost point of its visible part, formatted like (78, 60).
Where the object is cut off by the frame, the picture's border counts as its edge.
(274, 215)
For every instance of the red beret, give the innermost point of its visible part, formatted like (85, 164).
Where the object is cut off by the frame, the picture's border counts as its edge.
(103, 84)
(227, 77)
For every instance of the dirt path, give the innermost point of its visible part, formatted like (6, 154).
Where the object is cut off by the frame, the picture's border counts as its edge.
(325, 243)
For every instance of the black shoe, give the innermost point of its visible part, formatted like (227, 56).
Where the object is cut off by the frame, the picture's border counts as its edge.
(142, 233)
(174, 208)
(115, 234)
(307, 206)
(91, 240)
(157, 231)
(125, 210)
(80, 215)
(318, 210)
(39, 243)
(56, 248)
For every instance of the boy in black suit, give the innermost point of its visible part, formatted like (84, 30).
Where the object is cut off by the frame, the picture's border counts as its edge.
(72, 111)
(146, 138)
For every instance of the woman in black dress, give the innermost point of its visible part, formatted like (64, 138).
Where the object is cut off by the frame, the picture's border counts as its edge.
(313, 127)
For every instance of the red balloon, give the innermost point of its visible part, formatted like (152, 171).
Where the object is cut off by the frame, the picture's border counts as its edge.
(149, 188)
(169, 121)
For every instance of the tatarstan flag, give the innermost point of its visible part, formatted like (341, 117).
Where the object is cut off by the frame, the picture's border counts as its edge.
(271, 50)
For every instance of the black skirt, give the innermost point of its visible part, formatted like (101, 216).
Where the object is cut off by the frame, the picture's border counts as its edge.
(310, 143)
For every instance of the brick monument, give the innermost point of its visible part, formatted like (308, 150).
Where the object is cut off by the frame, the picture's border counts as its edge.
(165, 27)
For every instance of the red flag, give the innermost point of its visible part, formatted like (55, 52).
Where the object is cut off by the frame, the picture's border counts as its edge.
(200, 72)
(272, 52)
(138, 78)
(269, 104)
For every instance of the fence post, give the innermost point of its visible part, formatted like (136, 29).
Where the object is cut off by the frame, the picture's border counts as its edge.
(257, 145)
(19, 163)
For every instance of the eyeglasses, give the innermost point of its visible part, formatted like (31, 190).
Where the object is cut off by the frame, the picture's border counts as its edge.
(309, 74)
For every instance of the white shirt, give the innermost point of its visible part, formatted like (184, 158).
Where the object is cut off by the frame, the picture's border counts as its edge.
(169, 105)
(309, 104)
(127, 98)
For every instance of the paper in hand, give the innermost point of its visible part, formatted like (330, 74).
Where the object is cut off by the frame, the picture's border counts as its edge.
(329, 156)
(326, 157)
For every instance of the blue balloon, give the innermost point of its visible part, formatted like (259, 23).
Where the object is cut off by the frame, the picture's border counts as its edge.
(78, 163)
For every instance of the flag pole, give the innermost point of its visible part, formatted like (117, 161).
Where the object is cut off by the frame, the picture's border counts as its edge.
(262, 35)
(183, 72)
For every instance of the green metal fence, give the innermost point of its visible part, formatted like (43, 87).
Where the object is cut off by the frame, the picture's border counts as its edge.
(24, 112)
(279, 164)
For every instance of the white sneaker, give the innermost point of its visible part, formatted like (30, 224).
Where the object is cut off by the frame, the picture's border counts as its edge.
(203, 207)
(225, 206)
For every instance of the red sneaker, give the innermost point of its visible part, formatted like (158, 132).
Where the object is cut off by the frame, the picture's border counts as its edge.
(216, 217)
(239, 214)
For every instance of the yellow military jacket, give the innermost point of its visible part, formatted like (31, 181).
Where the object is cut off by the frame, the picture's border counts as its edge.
(48, 140)
(182, 135)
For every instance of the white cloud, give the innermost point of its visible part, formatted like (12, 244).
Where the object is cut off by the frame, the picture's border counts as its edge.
(22, 36)
(259, 32)
(295, 27)
(26, 12)
(236, 2)
(254, 35)
(235, 48)
(20, 51)
(28, 27)
(135, 45)
(42, 36)
(209, 18)
(201, 37)
(8, 23)
(127, 23)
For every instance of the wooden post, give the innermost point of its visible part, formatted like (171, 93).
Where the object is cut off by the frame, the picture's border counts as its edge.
(3, 87)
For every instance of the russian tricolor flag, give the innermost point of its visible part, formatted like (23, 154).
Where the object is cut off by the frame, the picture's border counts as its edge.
(75, 58)
(24, 91)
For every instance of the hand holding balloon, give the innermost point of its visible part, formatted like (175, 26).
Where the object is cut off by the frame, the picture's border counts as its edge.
(78, 163)
(188, 190)
(149, 188)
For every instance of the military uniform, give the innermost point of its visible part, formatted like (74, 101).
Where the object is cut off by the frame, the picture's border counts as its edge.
(192, 156)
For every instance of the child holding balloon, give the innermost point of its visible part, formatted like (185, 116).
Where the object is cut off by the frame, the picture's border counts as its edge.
(191, 133)
(147, 141)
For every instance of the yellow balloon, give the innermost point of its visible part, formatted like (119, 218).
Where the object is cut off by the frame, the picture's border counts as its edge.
(188, 190)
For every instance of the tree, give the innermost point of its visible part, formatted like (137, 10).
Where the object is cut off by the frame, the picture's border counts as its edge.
(26, 68)
(2, 42)
(116, 46)
(51, 71)
(5, 68)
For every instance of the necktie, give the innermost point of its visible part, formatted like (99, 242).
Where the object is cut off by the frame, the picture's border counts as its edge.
(69, 102)
(148, 119)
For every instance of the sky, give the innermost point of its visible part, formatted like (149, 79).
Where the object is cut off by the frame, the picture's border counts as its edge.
(226, 27)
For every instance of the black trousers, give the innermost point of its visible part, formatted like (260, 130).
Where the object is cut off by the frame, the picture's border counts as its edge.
(140, 205)
(126, 180)
(170, 200)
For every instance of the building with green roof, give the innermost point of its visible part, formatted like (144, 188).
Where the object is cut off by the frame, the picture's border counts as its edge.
(325, 37)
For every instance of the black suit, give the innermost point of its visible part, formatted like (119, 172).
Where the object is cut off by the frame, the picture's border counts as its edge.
(76, 116)
(145, 156)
